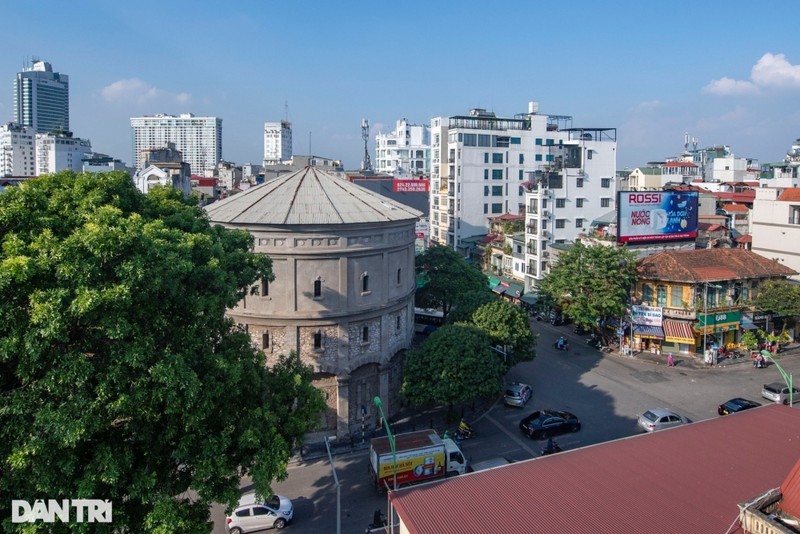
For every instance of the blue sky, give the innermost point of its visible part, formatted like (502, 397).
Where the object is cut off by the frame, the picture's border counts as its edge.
(725, 72)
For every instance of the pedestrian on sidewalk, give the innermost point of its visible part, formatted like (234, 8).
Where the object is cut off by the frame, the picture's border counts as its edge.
(670, 360)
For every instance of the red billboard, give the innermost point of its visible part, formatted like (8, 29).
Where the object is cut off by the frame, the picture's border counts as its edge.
(411, 186)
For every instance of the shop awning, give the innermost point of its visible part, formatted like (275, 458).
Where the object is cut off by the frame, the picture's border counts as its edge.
(515, 290)
(748, 324)
(648, 332)
(530, 298)
(500, 289)
(678, 332)
(493, 282)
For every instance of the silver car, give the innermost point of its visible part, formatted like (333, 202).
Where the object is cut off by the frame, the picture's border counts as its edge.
(778, 393)
(252, 516)
(517, 394)
(659, 419)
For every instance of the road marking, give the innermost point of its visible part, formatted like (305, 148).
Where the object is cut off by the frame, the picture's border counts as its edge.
(512, 436)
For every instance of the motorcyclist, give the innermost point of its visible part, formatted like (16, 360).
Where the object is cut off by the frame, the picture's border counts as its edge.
(465, 428)
(561, 343)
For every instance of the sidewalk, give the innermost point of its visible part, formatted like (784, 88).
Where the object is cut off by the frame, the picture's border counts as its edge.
(695, 360)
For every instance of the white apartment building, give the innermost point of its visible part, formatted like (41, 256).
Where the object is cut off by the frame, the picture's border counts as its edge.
(775, 225)
(41, 98)
(575, 186)
(59, 152)
(277, 142)
(405, 151)
(198, 138)
(17, 150)
(482, 166)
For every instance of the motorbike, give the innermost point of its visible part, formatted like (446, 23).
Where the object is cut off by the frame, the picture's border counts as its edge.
(551, 448)
(378, 521)
(595, 341)
(464, 431)
(561, 345)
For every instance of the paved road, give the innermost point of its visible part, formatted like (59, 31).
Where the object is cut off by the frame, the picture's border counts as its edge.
(606, 391)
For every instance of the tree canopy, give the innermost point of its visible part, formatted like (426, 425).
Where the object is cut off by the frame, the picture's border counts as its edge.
(507, 326)
(778, 296)
(448, 275)
(120, 376)
(590, 283)
(466, 303)
(455, 365)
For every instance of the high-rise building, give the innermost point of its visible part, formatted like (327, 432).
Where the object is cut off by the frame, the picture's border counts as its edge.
(406, 151)
(17, 150)
(41, 98)
(277, 142)
(198, 138)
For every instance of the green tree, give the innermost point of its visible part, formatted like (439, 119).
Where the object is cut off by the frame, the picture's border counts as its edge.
(120, 376)
(778, 296)
(589, 283)
(448, 276)
(454, 365)
(507, 326)
(466, 303)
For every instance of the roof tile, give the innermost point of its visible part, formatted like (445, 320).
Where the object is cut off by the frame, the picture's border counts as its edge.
(709, 265)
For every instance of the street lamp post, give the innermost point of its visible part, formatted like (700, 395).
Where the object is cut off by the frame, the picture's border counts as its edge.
(338, 487)
(379, 405)
(787, 377)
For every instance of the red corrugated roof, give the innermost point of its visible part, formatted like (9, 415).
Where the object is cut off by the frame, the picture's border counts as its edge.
(790, 490)
(679, 164)
(790, 195)
(744, 239)
(687, 479)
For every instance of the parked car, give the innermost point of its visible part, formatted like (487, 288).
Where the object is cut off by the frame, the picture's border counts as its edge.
(518, 394)
(547, 423)
(660, 419)
(778, 393)
(736, 405)
(252, 516)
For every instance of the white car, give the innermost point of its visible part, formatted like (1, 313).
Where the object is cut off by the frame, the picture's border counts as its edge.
(659, 419)
(252, 516)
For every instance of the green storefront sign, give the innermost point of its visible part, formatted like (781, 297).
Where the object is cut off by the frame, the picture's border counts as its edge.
(718, 321)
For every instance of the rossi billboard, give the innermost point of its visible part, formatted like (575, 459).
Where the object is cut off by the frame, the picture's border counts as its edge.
(656, 216)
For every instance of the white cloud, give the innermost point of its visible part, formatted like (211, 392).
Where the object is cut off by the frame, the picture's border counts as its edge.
(775, 71)
(729, 86)
(772, 70)
(139, 91)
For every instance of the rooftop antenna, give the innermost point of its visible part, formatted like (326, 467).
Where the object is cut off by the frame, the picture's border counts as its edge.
(685, 141)
(366, 165)
(286, 110)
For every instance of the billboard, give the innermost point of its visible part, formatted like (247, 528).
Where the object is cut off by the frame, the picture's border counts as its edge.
(411, 186)
(656, 216)
(646, 315)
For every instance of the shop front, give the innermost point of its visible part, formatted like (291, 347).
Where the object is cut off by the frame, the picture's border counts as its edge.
(717, 329)
(678, 336)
